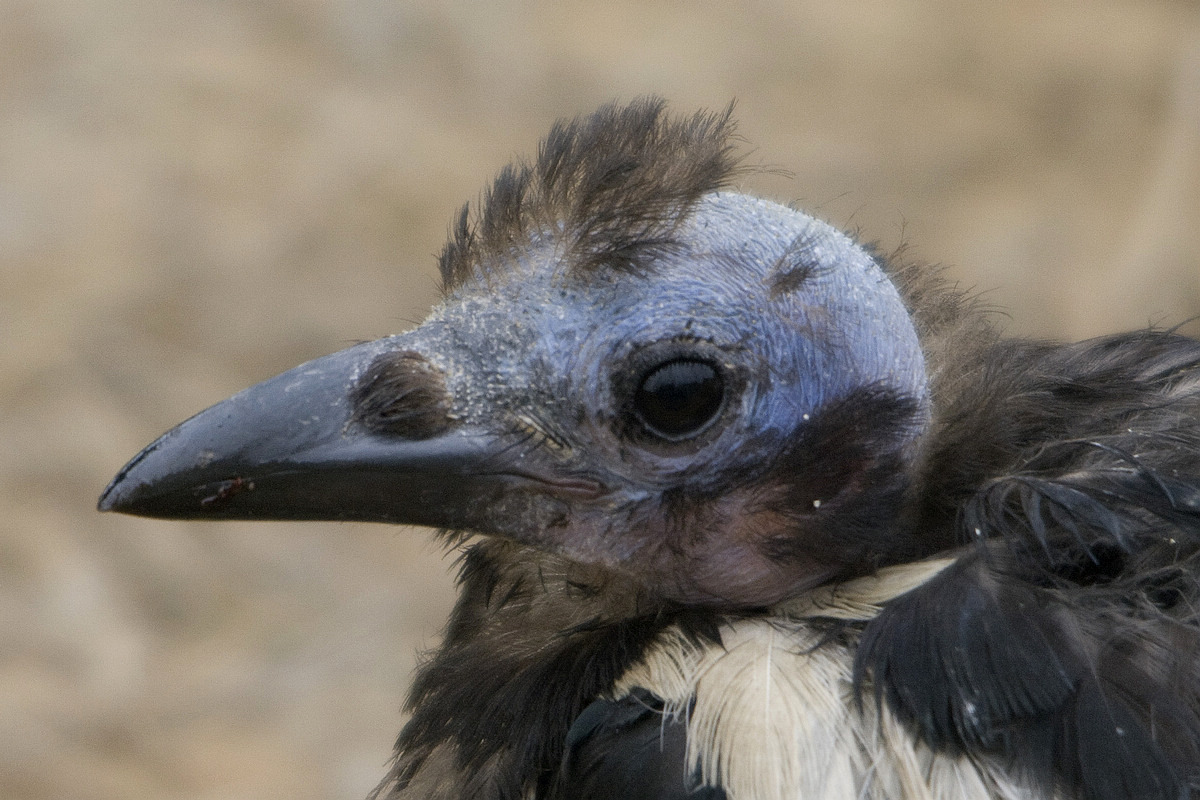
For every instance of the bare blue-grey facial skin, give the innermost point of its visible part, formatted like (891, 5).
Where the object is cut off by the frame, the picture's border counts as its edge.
(539, 334)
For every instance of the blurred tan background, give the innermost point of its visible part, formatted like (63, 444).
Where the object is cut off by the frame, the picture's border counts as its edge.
(197, 194)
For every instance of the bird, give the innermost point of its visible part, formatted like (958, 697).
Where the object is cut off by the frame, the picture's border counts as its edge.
(746, 508)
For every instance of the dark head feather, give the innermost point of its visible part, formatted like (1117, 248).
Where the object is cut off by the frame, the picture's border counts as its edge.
(606, 189)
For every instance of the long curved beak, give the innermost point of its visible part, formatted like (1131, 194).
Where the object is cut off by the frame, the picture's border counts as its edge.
(290, 449)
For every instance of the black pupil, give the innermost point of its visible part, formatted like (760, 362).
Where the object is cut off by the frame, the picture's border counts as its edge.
(679, 398)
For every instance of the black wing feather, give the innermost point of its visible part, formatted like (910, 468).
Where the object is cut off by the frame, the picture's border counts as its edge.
(631, 749)
(1068, 644)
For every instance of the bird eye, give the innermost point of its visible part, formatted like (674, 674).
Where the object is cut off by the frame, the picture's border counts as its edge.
(678, 399)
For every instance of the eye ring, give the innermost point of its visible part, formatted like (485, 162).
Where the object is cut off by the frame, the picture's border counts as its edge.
(679, 398)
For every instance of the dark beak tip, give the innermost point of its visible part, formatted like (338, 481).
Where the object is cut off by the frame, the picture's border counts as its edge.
(107, 501)
(119, 497)
(115, 496)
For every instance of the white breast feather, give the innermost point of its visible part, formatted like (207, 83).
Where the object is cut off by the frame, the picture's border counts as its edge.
(774, 716)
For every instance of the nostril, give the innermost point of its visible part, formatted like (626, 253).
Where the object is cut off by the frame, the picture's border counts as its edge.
(402, 394)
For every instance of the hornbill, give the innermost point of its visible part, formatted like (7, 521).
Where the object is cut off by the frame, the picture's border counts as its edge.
(747, 510)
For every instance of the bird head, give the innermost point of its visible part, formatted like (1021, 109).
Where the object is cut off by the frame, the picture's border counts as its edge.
(632, 367)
